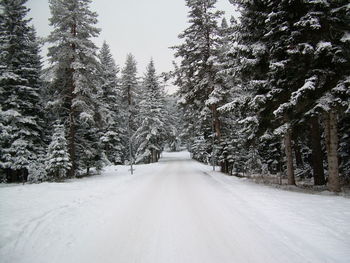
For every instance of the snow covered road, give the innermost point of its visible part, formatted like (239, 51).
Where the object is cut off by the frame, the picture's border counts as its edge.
(174, 211)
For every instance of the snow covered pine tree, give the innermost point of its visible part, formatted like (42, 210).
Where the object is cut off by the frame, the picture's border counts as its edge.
(113, 129)
(73, 57)
(152, 132)
(196, 76)
(58, 161)
(20, 109)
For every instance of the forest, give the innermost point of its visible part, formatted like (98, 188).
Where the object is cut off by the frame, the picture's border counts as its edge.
(266, 93)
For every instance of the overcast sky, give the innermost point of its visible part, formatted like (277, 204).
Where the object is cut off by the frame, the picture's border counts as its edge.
(145, 28)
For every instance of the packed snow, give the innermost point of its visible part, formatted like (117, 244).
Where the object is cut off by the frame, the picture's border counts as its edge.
(177, 210)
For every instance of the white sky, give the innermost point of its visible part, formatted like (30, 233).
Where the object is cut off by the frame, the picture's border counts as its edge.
(145, 28)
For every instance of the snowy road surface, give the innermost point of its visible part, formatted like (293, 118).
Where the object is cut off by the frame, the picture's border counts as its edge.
(174, 211)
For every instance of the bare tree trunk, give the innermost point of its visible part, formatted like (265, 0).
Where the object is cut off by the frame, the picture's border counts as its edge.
(331, 134)
(289, 155)
(317, 156)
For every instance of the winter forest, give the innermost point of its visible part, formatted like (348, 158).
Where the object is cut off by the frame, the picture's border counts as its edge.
(247, 161)
(267, 93)
(83, 111)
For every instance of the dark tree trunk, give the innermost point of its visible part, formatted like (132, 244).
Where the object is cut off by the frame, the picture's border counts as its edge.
(317, 155)
(298, 155)
(289, 155)
(9, 175)
(24, 176)
(18, 176)
(225, 167)
(154, 156)
(331, 133)
(217, 130)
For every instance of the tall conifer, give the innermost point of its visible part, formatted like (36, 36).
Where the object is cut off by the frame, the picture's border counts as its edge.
(20, 112)
(73, 57)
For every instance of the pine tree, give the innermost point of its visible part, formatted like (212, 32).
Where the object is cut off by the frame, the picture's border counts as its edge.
(129, 97)
(196, 74)
(109, 83)
(20, 112)
(315, 64)
(113, 131)
(228, 93)
(58, 162)
(290, 62)
(174, 123)
(245, 66)
(74, 90)
(152, 132)
(336, 97)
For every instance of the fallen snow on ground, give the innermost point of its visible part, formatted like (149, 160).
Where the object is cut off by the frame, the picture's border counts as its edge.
(174, 211)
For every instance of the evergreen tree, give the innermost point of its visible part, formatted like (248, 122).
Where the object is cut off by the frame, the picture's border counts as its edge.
(113, 131)
(108, 71)
(315, 64)
(174, 123)
(58, 162)
(129, 97)
(245, 64)
(20, 112)
(152, 132)
(195, 76)
(293, 63)
(74, 90)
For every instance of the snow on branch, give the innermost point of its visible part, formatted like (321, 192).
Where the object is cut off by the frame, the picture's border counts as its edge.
(346, 37)
(281, 130)
(310, 20)
(296, 97)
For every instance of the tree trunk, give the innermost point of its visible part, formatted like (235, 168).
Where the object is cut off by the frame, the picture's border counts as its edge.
(154, 156)
(331, 134)
(317, 156)
(289, 155)
(298, 155)
(18, 175)
(71, 144)
(224, 167)
(9, 175)
(25, 174)
(216, 121)
(57, 174)
(217, 131)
